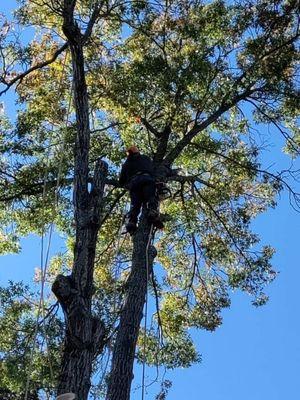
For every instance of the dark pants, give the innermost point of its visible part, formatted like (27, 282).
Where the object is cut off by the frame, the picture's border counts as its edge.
(142, 192)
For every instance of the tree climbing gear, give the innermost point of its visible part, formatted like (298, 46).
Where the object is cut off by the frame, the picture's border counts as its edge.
(162, 191)
(154, 219)
(66, 396)
(150, 238)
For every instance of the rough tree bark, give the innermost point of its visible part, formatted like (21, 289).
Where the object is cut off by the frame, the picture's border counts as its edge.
(121, 374)
(85, 333)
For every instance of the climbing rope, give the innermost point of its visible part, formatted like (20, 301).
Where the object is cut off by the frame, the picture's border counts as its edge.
(40, 298)
(45, 259)
(146, 310)
(51, 229)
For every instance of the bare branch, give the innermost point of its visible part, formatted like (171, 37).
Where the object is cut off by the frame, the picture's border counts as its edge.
(249, 166)
(188, 178)
(226, 228)
(289, 139)
(112, 125)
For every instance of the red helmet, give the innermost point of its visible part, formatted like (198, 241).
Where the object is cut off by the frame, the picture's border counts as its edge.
(132, 150)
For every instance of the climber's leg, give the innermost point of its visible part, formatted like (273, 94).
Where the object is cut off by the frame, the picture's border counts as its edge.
(149, 196)
(151, 201)
(135, 207)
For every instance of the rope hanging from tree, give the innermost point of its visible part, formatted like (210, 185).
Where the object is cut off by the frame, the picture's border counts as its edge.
(44, 260)
(150, 238)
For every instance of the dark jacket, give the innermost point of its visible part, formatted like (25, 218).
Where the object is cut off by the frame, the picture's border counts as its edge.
(135, 164)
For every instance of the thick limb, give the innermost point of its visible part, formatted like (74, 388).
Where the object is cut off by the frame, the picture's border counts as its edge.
(125, 346)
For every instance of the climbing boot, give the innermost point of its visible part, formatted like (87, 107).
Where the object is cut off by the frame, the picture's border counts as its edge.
(162, 191)
(152, 215)
(154, 219)
(165, 217)
(158, 224)
(131, 228)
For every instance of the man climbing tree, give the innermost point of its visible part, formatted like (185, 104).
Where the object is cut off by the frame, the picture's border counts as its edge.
(137, 175)
(200, 75)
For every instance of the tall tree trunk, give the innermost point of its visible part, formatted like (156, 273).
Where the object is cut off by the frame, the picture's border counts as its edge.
(84, 336)
(124, 350)
(84, 332)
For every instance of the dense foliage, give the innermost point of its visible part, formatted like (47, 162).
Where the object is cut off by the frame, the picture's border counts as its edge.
(189, 82)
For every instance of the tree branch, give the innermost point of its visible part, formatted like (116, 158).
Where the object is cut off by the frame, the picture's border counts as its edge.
(188, 178)
(150, 128)
(21, 76)
(186, 140)
(95, 15)
(289, 139)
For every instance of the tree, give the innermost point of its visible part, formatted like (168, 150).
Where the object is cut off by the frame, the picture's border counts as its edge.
(175, 78)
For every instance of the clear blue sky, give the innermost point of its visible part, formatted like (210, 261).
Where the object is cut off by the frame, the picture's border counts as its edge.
(255, 355)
